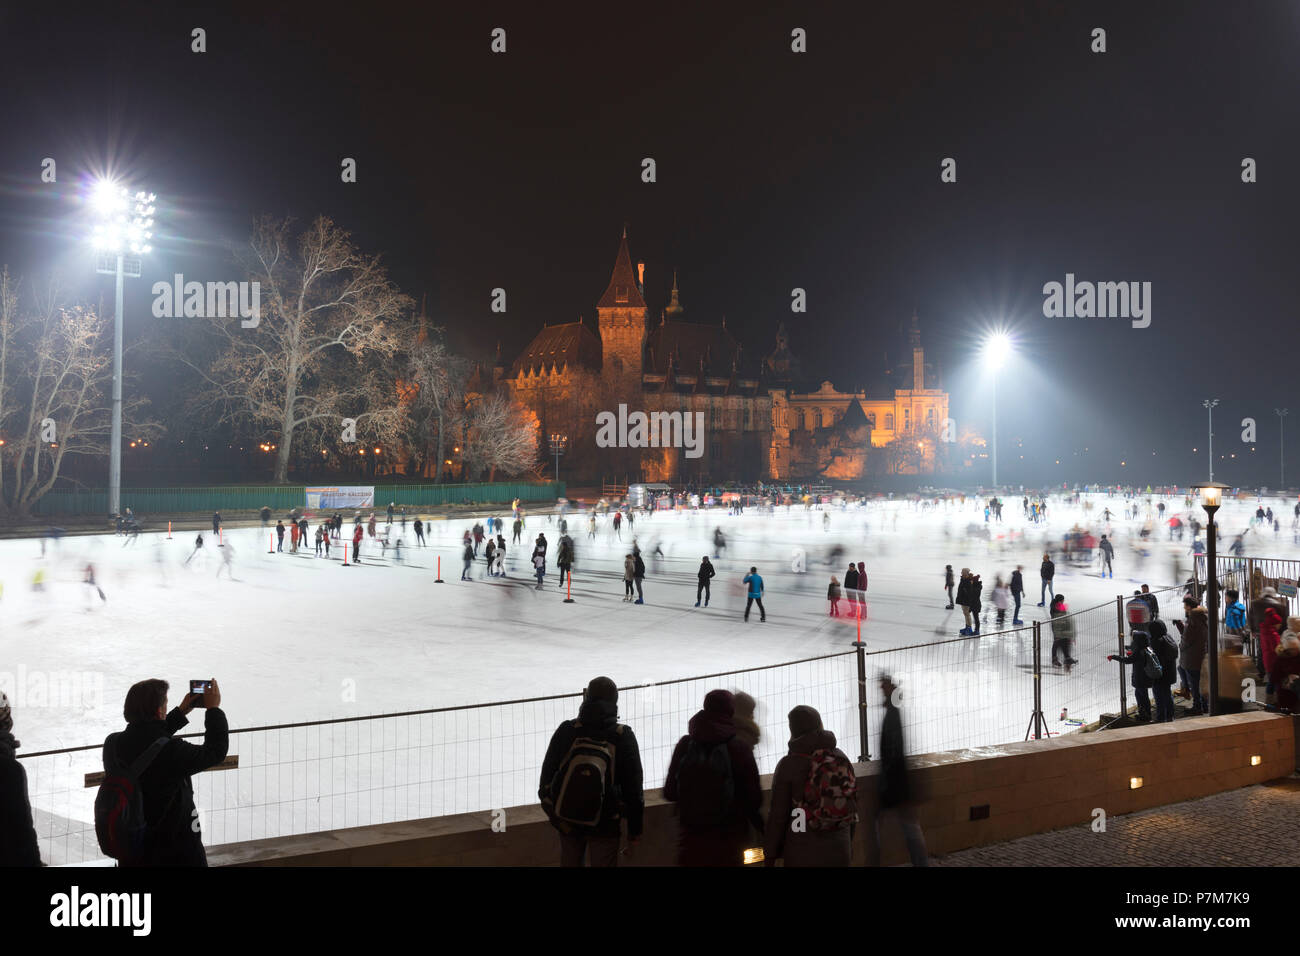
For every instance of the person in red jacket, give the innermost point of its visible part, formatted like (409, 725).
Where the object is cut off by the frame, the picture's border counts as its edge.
(357, 535)
(713, 779)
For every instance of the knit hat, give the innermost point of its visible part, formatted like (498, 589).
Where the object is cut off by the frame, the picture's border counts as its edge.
(803, 720)
(602, 688)
(719, 702)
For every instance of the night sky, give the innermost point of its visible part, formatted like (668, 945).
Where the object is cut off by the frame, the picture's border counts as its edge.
(775, 170)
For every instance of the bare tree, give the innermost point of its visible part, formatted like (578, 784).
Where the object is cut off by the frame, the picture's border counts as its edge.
(500, 434)
(437, 396)
(55, 371)
(330, 324)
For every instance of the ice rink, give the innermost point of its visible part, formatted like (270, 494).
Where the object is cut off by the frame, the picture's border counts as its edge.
(296, 638)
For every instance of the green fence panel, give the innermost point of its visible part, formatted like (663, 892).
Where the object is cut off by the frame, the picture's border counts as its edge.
(280, 498)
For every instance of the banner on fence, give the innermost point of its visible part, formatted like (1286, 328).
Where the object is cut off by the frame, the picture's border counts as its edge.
(1286, 587)
(346, 496)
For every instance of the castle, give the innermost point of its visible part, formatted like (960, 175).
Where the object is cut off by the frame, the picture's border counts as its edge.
(760, 418)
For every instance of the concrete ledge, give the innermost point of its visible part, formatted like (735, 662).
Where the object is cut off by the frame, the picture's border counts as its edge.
(1029, 787)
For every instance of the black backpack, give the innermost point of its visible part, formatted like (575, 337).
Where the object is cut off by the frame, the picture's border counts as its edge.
(119, 805)
(583, 789)
(706, 787)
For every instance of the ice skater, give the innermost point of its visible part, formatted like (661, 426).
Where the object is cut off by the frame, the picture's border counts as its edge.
(357, 535)
(89, 578)
(419, 531)
(755, 594)
(833, 595)
(198, 546)
(1107, 556)
(703, 576)
(227, 553)
(539, 567)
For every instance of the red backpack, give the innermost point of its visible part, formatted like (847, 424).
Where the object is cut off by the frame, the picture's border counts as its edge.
(830, 793)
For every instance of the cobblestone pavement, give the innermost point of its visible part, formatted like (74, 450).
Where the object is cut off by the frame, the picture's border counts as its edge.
(1251, 826)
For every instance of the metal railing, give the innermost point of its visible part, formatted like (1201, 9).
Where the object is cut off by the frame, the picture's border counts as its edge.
(329, 774)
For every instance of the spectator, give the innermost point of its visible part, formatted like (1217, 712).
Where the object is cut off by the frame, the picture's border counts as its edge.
(713, 780)
(1151, 601)
(1166, 651)
(1270, 634)
(895, 792)
(1194, 635)
(1139, 649)
(1268, 598)
(747, 729)
(172, 836)
(590, 818)
(1285, 675)
(18, 846)
(1234, 613)
(825, 837)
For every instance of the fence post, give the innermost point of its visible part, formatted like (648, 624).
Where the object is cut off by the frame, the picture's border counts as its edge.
(861, 650)
(1123, 688)
(1037, 719)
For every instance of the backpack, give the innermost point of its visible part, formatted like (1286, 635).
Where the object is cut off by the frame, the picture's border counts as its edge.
(1151, 665)
(706, 788)
(830, 793)
(119, 805)
(585, 779)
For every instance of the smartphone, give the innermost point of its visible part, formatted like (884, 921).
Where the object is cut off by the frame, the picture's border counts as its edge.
(199, 687)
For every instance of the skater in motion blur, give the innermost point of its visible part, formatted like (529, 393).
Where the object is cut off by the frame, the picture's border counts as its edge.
(1107, 556)
(1062, 634)
(198, 546)
(895, 793)
(89, 578)
(419, 531)
(703, 577)
(948, 585)
(719, 543)
(227, 553)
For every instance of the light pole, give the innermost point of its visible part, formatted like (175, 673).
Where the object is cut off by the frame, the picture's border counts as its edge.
(1211, 498)
(1281, 458)
(558, 445)
(123, 226)
(997, 348)
(1209, 404)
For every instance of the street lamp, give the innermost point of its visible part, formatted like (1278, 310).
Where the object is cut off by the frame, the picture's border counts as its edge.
(1209, 404)
(1281, 458)
(997, 349)
(1211, 498)
(123, 225)
(558, 445)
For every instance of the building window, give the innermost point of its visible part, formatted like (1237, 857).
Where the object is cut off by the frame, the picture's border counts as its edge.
(907, 419)
(620, 293)
(871, 420)
(889, 422)
(929, 418)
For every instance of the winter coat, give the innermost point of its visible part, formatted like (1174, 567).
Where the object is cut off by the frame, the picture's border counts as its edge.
(1166, 652)
(174, 836)
(1137, 661)
(947, 578)
(892, 781)
(638, 567)
(357, 535)
(1002, 598)
(963, 592)
(1286, 663)
(833, 592)
(1062, 623)
(1048, 571)
(851, 580)
(279, 532)
(1151, 602)
(1234, 617)
(18, 845)
(598, 719)
(973, 599)
(812, 847)
(1271, 625)
(747, 729)
(706, 571)
(564, 556)
(1017, 583)
(722, 844)
(1196, 634)
(755, 585)
(629, 568)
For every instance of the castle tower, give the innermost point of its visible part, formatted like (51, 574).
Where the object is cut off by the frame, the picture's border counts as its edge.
(918, 354)
(623, 313)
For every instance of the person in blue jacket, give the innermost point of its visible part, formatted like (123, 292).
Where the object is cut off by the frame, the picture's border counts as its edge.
(755, 594)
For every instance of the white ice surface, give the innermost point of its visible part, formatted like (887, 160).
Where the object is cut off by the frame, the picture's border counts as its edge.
(299, 638)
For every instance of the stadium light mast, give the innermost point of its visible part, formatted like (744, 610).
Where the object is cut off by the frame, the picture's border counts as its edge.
(1281, 457)
(997, 349)
(1209, 404)
(121, 234)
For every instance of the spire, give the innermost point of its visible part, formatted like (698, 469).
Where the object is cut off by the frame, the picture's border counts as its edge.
(622, 291)
(674, 306)
(914, 331)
